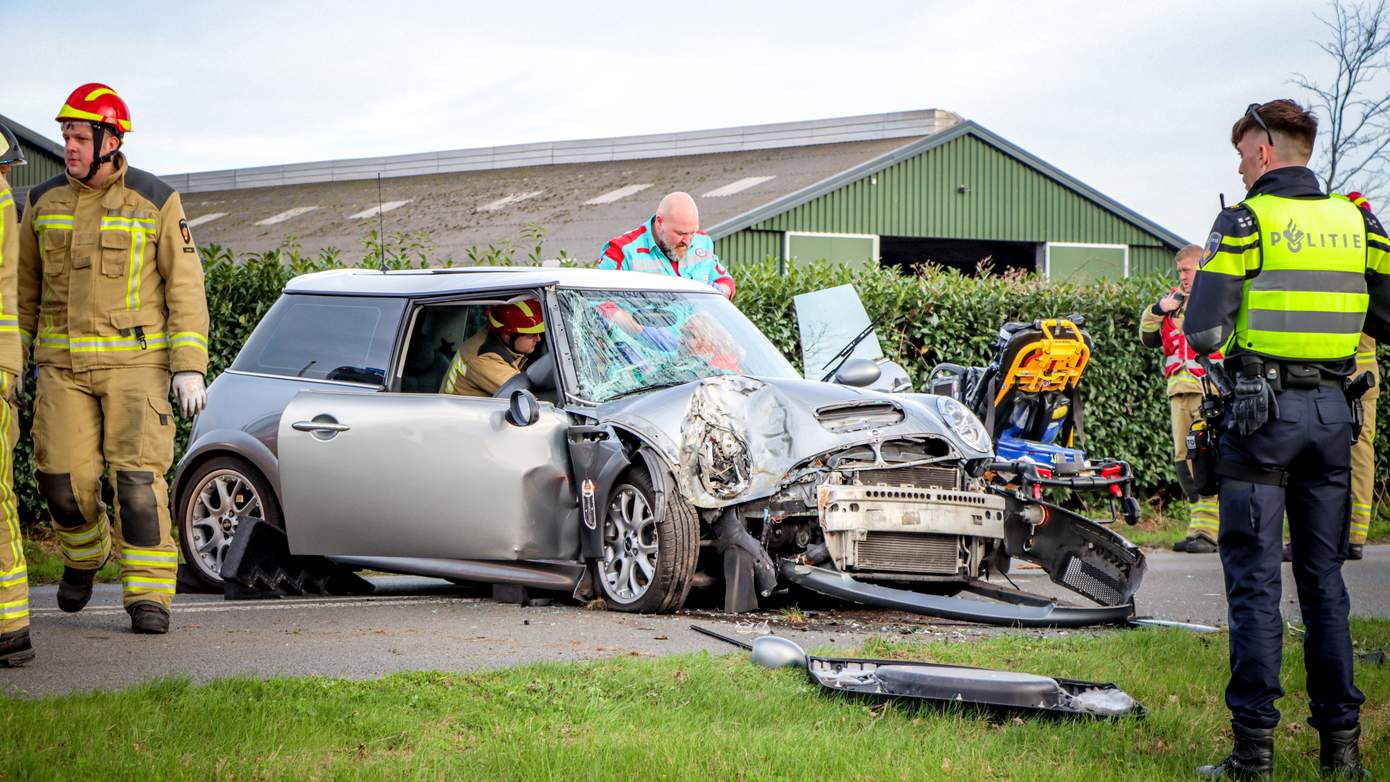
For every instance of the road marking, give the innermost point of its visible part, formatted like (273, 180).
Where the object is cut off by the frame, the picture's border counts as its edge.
(286, 215)
(376, 210)
(737, 187)
(279, 605)
(505, 201)
(207, 218)
(615, 195)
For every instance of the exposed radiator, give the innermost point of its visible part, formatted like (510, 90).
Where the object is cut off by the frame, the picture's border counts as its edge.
(924, 477)
(909, 552)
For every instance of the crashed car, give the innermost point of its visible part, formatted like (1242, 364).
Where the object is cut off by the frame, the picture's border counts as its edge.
(659, 444)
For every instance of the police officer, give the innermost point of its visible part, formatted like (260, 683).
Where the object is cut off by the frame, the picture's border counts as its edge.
(15, 647)
(111, 295)
(1282, 291)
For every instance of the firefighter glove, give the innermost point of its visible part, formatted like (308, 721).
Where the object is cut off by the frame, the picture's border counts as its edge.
(190, 392)
(1253, 404)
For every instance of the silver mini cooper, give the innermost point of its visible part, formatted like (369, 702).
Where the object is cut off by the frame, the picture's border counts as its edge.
(658, 444)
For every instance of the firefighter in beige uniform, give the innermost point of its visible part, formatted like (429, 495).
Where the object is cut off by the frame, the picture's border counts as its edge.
(1161, 326)
(15, 647)
(111, 294)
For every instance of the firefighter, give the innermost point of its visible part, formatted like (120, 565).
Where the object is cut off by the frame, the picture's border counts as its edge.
(670, 242)
(1283, 291)
(497, 352)
(1363, 454)
(1160, 326)
(111, 296)
(15, 647)
(11, 153)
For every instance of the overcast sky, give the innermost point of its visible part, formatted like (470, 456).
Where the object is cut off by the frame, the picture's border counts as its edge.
(1134, 99)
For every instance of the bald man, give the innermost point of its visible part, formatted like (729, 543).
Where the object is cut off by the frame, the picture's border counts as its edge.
(671, 242)
(1160, 326)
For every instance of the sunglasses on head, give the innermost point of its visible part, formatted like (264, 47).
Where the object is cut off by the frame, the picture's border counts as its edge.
(1253, 111)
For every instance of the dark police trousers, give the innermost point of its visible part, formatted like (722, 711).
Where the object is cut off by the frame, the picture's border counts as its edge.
(1311, 439)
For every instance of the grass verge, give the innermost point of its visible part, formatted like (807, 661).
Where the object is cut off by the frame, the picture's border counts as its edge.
(685, 717)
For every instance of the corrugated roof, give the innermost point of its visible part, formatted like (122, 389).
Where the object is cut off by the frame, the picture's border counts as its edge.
(449, 209)
(33, 137)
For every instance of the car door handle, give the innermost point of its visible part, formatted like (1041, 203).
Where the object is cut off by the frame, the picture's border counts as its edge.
(318, 426)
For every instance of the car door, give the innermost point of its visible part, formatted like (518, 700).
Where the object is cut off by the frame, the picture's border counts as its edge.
(425, 475)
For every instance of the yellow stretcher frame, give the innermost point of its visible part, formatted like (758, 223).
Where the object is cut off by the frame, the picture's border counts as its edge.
(1053, 363)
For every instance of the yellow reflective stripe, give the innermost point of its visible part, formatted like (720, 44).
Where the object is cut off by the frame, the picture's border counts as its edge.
(146, 224)
(139, 228)
(15, 609)
(189, 339)
(97, 552)
(26, 338)
(53, 339)
(6, 198)
(46, 222)
(68, 112)
(1308, 301)
(458, 368)
(135, 556)
(153, 341)
(78, 538)
(162, 586)
(16, 578)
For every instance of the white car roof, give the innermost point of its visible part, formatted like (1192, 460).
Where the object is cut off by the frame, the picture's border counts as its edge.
(433, 282)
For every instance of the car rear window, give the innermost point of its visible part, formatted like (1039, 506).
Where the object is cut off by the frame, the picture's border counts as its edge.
(345, 338)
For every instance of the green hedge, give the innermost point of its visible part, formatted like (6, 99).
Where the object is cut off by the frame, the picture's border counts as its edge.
(923, 320)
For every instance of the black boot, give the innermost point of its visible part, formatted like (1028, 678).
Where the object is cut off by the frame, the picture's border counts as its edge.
(1356, 551)
(1252, 757)
(148, 618)
(15, 649)
(75, 589)
(1340, 753)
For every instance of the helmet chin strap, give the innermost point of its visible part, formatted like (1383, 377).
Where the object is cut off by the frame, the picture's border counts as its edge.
(98, 136)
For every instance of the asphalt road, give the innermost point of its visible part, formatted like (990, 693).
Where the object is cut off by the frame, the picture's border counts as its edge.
(424, 624)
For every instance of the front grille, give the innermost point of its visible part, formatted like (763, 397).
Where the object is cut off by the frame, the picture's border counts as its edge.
(923, 477)
(909, 552)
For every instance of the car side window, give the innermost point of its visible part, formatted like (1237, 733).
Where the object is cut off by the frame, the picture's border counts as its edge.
(342, 338)
(439, 331)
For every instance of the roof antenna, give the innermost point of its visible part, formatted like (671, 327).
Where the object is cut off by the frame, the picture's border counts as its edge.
(380, 225)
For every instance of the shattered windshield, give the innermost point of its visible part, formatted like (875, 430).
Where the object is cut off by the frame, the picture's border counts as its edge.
(629, 341)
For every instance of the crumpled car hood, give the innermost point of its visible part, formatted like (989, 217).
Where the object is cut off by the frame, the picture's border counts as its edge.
(777, 420)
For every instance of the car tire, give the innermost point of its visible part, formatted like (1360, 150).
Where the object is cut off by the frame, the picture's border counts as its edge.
(660, 556)
(206, 531)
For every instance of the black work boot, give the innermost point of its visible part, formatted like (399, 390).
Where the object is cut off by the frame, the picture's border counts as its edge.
(148, 618)
(1252, 757)
(15, 649)
(1340, 753)
(75, 589)
(1356, 551)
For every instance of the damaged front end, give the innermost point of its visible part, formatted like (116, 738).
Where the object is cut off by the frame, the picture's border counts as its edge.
(893, 509)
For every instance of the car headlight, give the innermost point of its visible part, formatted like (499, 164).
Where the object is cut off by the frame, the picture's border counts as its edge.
(965, 424)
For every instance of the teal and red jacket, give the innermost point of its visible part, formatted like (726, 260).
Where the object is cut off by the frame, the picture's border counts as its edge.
(637, 250)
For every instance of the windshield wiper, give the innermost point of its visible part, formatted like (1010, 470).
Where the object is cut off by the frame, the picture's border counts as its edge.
(840, 358)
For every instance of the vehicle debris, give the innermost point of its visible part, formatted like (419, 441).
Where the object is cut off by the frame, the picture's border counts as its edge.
(923, 683)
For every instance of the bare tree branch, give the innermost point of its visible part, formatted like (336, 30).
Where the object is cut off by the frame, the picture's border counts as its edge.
(1355, 105)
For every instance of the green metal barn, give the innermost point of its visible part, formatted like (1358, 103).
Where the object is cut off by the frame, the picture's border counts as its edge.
(955, 198)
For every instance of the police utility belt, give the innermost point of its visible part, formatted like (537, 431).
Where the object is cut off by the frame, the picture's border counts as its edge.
(1244, 403)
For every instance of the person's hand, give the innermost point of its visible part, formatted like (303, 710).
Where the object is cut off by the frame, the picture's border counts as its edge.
(14, 386)
(190, 392)
(1169, 303)
(624, 320)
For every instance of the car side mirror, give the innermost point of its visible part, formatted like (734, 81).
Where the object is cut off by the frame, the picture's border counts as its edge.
(522, 408)
(857, 372)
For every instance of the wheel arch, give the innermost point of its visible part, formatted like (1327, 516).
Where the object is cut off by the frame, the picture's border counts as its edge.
(228, 443)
